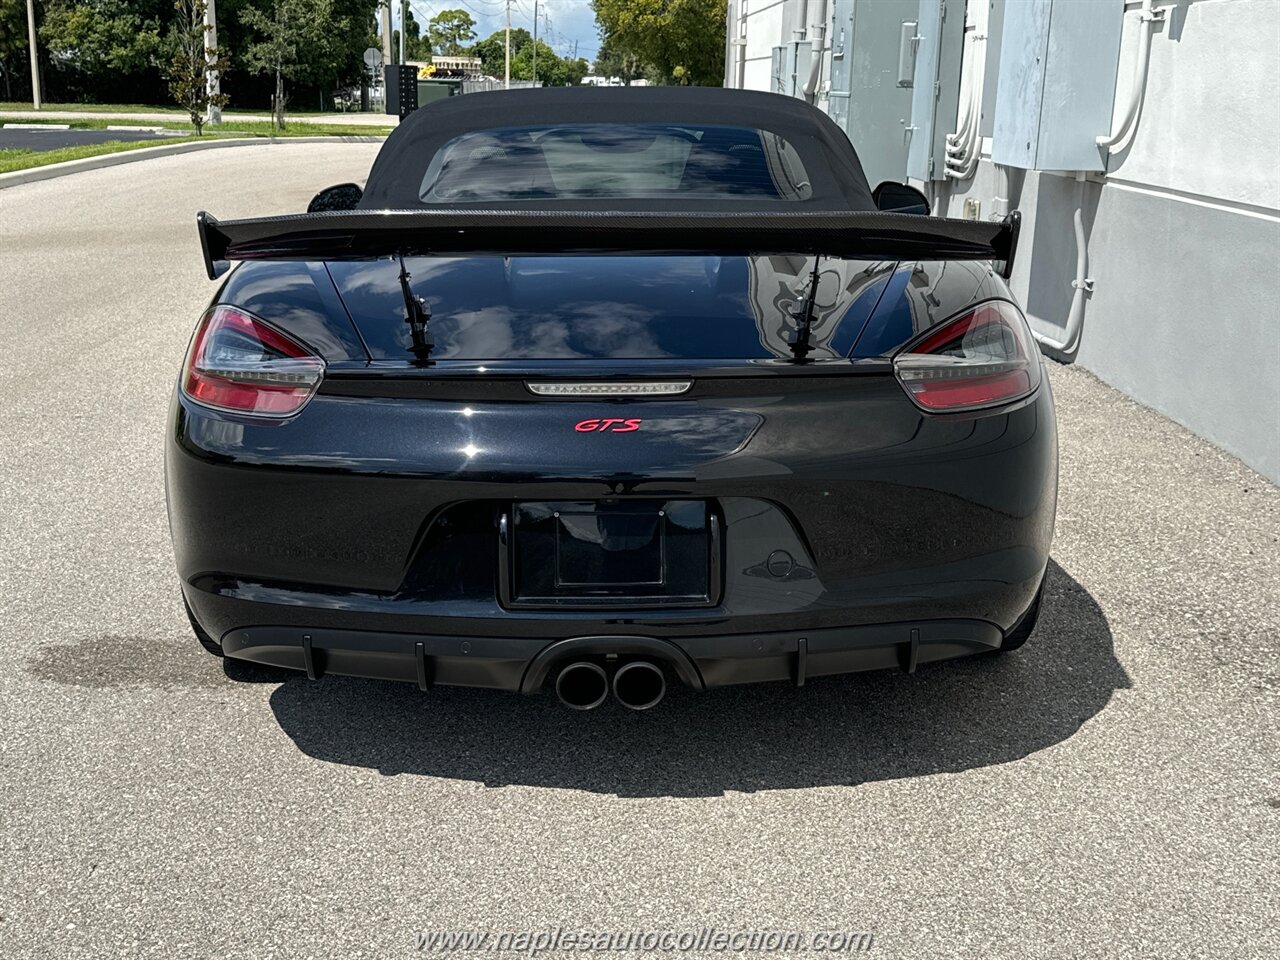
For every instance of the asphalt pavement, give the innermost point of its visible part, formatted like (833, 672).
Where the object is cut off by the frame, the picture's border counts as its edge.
(1111, 790)
(53, 139)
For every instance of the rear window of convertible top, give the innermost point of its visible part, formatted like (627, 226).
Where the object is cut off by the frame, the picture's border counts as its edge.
(615, 161)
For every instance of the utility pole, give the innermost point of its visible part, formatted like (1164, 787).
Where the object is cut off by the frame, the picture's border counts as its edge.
(535, 42)
(404, 7)
(213, 112)
(506, 59)
(387, 58)
(35, 56)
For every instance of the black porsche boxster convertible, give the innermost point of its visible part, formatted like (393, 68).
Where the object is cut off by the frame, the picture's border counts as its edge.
(597, 389)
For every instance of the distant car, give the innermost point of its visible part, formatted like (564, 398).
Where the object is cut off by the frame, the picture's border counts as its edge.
(597, 389)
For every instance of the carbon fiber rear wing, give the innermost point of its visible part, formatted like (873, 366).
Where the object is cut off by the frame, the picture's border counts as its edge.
(370, 234)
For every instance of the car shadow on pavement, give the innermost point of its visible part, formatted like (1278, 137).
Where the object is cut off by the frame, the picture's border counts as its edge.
(834, 731)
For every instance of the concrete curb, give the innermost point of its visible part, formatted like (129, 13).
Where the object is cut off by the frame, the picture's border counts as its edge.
(49, 171)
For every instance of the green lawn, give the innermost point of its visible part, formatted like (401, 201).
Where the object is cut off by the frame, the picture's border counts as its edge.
(11, 160)
(133, 108)
(229, 127)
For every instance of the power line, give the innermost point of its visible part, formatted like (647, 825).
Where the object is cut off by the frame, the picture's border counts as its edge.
(495, 12)
(489, 10)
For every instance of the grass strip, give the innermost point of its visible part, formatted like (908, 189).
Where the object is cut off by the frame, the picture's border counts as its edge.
(13, 160)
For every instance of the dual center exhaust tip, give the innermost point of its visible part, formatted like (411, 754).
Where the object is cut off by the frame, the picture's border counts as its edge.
(638, 685)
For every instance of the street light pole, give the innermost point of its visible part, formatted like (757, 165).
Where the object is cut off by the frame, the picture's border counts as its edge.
(506, 58)
(213, 112)
(535, 42)
(404, 6)
(35, 56)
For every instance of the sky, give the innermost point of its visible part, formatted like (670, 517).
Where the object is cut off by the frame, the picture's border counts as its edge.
(570, 20)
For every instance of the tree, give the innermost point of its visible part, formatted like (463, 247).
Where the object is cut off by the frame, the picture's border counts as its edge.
(450, 31)
(120, 49)
(338, 58)
(683, 39)
(612, 62)
(13, 41)
(290, 26)
(490, 49)
(192, 62)
(553, 70)
(574, 71)
(95, 44)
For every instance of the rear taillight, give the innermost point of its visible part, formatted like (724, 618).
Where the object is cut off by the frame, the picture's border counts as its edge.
(982, 358)
(241, 364)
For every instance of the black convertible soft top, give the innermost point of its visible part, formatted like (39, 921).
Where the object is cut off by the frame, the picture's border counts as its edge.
(829, 158)
(838, 218)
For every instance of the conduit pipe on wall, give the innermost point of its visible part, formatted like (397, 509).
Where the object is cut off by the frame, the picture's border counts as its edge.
(730, 65)
(965, 145)
(742, 48)
(1083, 284)
(1000, 202)
(1137, 88)
(818, 40)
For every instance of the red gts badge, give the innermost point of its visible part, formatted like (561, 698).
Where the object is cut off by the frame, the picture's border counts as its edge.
(607, 426)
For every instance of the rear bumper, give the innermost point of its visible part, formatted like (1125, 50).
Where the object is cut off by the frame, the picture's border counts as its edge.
(382, 638)
(523, 664)
(343, 543)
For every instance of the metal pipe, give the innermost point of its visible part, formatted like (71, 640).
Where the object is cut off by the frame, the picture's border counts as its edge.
(1083, 284)
(965, 145)
(582, 685)
(816, 45)
(639, 685)
(1000, 202)
(730, 66)
(1137, 88)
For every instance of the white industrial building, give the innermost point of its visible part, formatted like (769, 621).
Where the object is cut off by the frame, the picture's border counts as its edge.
(1140, 141)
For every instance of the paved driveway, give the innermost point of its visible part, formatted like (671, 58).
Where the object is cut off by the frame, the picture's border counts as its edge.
(42, 140)
(1111, 790)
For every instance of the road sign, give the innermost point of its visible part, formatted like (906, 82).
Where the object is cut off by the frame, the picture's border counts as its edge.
(373, 58)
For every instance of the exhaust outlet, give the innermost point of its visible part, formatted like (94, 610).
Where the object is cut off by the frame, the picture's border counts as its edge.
(582, 686)
(639, 685)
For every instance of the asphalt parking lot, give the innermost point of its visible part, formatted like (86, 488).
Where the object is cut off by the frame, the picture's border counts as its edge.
(1110, 790)
(53, 139)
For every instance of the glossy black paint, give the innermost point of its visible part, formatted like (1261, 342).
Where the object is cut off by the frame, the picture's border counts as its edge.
(901, 198)
(653, 308)
(427, 518)
(299, 298)
(875, 533)
(889, 514)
